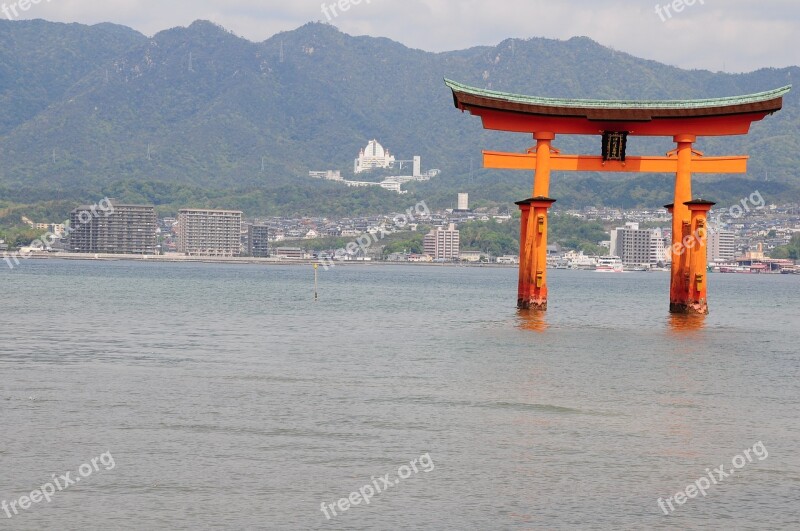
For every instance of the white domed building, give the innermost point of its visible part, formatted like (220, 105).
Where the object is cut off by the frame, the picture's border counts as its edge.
(373, 157)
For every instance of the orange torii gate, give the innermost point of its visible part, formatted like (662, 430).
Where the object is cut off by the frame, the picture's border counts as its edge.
(615, 121)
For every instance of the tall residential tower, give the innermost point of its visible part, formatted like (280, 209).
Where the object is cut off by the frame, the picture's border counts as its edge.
(124, 229)
(210, 232)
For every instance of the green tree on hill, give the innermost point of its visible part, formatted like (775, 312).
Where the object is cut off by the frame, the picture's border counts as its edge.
(791, 251)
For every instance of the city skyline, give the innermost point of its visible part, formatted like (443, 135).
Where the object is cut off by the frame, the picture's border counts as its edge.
(737, 234)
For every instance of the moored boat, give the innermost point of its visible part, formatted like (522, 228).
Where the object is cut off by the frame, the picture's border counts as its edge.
(609, 264)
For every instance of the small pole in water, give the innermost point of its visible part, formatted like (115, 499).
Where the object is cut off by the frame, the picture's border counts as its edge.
(316, 296)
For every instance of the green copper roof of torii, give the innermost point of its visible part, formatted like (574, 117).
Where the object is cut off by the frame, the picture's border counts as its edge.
(619, 104)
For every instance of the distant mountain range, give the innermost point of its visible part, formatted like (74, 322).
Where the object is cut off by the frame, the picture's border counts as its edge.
(200, 116)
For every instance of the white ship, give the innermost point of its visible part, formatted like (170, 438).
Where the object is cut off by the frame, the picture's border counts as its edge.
(579, 260)
(609, 264)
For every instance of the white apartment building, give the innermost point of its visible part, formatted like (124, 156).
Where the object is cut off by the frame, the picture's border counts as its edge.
(658, 247)
(463, 202)
(637, 246)
(721, 245)
(210, 232)
(443, 244)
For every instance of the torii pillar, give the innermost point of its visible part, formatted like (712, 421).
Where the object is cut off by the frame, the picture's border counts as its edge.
(532, 290)
(681, 222)
(692, 296)
(688, 289)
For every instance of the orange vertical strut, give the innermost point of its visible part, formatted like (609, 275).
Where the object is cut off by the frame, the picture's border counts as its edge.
(541, 181)
(681, 226)
(524, 276)
(697, 301)
(533, 254)
(532, 292)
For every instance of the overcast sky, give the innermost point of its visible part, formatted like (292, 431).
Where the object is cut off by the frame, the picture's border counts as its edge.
(729, 35)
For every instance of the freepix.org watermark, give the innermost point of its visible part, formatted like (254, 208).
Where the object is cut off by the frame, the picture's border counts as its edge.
(378, 485)
(665, 12)
(375, 235)
(713, 477)
(84, 217)
(754, 202)
(12, 11)
(330, 10)
(741, 209)
(57, 484)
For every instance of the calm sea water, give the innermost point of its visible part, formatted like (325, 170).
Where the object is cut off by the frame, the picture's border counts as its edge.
(230, 400)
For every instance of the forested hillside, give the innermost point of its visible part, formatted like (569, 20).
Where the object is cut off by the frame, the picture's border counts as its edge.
(198, 116)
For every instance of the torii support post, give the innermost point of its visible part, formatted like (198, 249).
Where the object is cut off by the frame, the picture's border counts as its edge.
(532, 291)
(681, 229)
(695, 246)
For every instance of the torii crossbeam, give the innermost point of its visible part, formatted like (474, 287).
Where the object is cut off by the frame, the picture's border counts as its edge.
(615, 121)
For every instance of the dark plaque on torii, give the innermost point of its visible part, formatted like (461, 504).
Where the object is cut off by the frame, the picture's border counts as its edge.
(614, 145)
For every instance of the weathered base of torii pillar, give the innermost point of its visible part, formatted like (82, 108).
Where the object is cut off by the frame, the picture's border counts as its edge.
(689, 292)
(532, 290)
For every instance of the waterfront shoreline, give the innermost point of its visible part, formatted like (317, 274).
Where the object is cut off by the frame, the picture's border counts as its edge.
(246, 260)
(177, 259)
